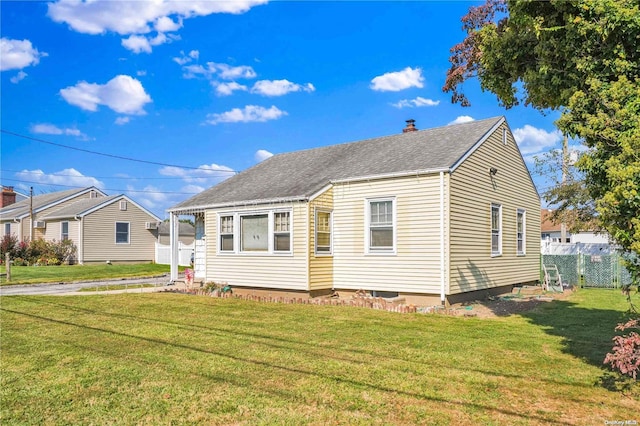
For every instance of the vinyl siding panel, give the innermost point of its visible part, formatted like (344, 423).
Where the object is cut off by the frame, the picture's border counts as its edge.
(284, 271)
(416, 265)
(472, 191)
(99, 237)
(320, 266)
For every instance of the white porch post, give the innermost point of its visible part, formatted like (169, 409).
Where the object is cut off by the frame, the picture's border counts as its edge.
(173, 244)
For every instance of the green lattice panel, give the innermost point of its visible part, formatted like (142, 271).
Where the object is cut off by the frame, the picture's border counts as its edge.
(567, 266)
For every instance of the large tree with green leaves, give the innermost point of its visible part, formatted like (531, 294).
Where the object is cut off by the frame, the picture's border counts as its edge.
(581, 57)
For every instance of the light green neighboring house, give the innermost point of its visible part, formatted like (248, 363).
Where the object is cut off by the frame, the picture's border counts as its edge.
(102, 227)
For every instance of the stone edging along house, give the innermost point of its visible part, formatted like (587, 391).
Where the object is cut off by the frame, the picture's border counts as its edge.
(433, 216)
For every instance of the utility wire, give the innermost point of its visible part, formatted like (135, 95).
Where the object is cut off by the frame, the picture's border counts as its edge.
(32, 172)
(120, 157)
(103, 189)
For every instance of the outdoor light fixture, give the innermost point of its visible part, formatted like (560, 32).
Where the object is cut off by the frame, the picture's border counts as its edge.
(493, 171)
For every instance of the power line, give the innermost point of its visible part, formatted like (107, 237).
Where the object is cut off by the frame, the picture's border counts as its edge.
(120, 157)
(33, 172)
(105, 189)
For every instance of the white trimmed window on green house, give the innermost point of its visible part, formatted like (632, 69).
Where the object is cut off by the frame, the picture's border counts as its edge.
(122, 232)
(323, 232)
(64, 231)
(496, 229)
(380, 236)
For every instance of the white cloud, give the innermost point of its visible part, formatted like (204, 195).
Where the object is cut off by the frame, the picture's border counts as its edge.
(203, 174)
(51, 129)
(123, 94)
(165, 24)
(461, 119)
(262, 155)
(279, 87)
(139, 44)
(400, 80)
(122, 120)
(226, 89)
(18, 54)
(532, 140)
(186, 58)
(223, 71)
(138, 17)
(141, 73)
(250, 113)
(417, 102)
(67, 177)
(18, 77)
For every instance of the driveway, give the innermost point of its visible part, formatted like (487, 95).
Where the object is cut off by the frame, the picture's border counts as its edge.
(61, 289)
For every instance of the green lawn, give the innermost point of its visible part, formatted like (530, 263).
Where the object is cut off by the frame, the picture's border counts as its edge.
(70, 273)
(174, 359)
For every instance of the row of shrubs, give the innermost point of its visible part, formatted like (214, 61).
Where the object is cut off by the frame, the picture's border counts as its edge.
(37, 252)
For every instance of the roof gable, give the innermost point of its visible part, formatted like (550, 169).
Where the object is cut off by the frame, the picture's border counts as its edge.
(298, 175)
(87, 206)
(41, 202)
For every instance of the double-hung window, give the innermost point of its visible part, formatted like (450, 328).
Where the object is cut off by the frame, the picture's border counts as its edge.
(380, 236)
(7, 229)
(226, 233)
(496, 229)
(64, 231)
(323, 232)
(122, 232)
(521, 239)
(282, 231)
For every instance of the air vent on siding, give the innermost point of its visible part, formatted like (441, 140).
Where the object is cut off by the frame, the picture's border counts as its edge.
(39, 224)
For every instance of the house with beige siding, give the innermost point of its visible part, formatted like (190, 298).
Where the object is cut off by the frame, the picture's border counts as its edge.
(102, 227)
(432, 216)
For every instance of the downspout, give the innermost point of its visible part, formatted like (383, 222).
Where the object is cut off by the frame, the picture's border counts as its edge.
(442, 248)
(173, 245)
(80, 240)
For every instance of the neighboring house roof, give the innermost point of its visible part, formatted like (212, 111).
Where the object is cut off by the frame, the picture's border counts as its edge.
(546, 224)
(88, 205)
(22, 208)
(183, 229)
(301, 174)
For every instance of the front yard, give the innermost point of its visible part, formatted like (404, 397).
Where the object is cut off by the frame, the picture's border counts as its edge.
(177, 359)
(71, 273)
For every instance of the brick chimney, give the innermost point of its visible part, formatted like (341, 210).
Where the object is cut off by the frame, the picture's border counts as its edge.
(411, 126)
(8, 196)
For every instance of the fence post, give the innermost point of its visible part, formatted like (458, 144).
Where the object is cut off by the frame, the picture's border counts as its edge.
(7, 263)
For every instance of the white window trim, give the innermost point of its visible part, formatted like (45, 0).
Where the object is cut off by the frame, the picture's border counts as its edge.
(237, 233)
(61, 233)
(505, 140)
(115, 228)
(7, 225)
(123, 205)
(500, 232)
(522, 252)
(367, 222)
(323, 253)
(234, 233)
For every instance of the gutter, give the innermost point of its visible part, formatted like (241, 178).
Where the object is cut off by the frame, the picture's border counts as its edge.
(392, 175)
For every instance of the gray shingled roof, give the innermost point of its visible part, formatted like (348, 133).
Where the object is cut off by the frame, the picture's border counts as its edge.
(79, 207)
(300, 174)
(22, 208)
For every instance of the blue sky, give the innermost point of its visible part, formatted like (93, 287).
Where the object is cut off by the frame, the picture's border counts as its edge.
(207, 88)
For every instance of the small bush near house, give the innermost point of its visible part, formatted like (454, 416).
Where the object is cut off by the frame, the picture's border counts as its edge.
(37, 252)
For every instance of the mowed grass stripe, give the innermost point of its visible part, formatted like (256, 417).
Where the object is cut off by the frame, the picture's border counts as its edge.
(167, 358)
